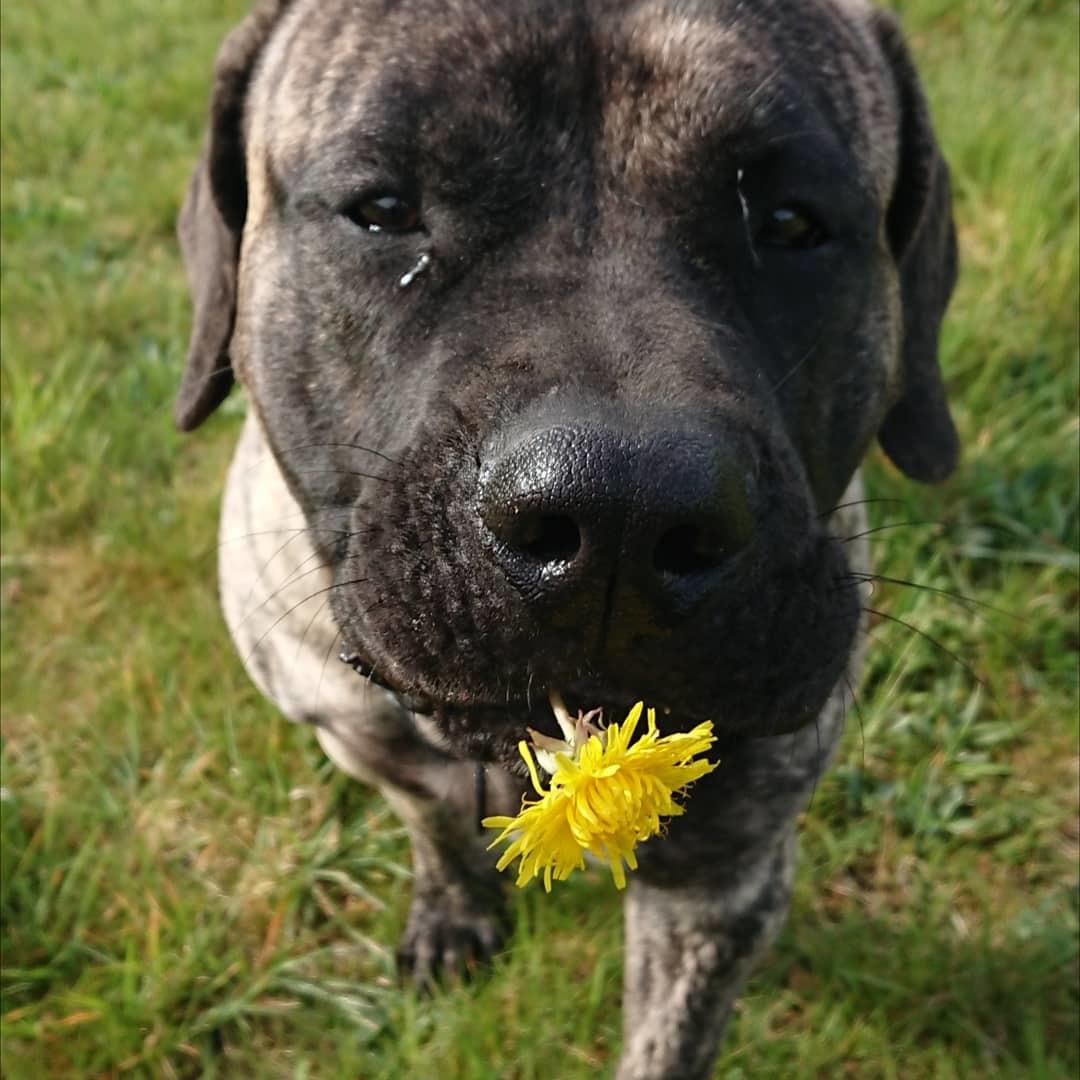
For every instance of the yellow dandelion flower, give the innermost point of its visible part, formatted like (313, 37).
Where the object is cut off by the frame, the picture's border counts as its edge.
(605, 795)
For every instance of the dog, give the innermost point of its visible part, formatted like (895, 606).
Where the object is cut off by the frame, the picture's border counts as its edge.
(565, 328)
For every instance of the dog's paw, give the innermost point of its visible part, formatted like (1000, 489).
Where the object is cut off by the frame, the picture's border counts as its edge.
(451, 933)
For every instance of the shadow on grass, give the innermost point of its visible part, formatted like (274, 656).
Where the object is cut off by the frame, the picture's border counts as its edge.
(917, 989)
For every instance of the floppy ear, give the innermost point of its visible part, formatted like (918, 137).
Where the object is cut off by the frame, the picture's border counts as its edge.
(918, 432)
(212, 220)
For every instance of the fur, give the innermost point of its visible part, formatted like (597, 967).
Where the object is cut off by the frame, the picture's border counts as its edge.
(592, 325)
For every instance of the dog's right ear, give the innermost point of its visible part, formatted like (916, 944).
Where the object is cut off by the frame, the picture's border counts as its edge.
(212, 220)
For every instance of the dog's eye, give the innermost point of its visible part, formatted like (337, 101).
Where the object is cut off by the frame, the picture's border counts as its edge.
(791, 227)
(385, 213)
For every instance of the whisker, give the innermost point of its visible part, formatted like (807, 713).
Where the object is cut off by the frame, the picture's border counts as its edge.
(338, 445)
(341, 472)
(336, 520)
(337, 636)
(285, 614)
(266, 565)
(857, 707)
(817, 771)
(882, 528)
(303, 637)
(272, 532)
(291, 580)
(215, 548)
(788, 136)
(269, 459)
(937, 644)
(960, 598)
(857, 502)
(297, 532)
(218, 371)
(798, 364)
(375, 607)
(944, 525)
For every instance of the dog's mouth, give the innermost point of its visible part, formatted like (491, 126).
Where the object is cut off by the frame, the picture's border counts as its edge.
(754, 669)
(492, 730)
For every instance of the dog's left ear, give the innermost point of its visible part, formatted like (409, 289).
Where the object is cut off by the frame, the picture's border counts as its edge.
(212, 220)
(918, 433)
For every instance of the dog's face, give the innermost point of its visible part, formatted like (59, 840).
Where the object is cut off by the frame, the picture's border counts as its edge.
(568, 326)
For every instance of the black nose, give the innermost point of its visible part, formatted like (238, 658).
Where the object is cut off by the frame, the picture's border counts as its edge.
(578, 513)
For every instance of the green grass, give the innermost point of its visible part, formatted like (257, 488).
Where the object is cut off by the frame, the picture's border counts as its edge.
(189, 889)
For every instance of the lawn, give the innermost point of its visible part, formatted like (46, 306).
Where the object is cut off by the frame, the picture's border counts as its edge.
(189, 889)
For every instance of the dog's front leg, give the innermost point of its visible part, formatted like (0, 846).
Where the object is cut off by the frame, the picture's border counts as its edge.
(457, 917)
(688, 950)
(710, 896)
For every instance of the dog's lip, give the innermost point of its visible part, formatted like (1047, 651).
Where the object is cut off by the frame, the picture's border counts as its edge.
(534, 709)
(428, 706)
(366, 670)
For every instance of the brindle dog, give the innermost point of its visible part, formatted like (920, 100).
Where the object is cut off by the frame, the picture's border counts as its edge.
(565, 327)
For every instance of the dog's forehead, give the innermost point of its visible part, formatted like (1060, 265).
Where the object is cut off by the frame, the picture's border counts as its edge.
(650, 81)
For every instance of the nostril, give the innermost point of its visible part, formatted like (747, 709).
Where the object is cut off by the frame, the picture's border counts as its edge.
(688, 549)
(548, 538)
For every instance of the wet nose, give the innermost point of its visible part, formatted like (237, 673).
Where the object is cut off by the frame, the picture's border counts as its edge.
(574, 513)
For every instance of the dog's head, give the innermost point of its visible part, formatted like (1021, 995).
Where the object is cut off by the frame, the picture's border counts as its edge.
(568, 325)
